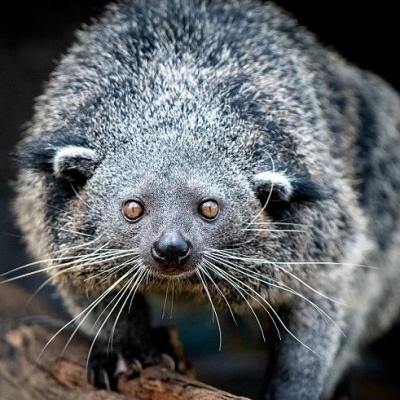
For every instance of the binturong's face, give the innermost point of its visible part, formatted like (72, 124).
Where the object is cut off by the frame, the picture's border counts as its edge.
(195, 213)
(167, 211)
(119, 210)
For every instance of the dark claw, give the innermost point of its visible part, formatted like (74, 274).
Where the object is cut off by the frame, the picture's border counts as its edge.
(129, 360)
(101, 370)
(104, 367)
(134, 368)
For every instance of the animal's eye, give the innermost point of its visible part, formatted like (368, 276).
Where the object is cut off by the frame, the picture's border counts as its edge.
(132, 210)
(209, 209)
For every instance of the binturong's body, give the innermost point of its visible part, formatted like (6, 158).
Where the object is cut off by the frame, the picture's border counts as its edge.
(218, 146)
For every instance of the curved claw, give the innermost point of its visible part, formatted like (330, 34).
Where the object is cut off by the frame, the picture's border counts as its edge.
(104, 368)
(135, 367)
(167, 362)
(101, 370)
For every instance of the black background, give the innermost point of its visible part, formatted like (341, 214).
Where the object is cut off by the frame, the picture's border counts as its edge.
(34, 34)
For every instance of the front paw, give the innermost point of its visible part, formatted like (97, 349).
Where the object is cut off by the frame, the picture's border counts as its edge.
(166, 340)
(104, 367)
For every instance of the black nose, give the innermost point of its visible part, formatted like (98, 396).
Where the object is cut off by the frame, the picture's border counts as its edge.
(171, 248)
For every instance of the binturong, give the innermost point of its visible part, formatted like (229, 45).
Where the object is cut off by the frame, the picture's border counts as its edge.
(218, 147)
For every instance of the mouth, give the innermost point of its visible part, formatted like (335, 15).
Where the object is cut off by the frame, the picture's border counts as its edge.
(171, 271)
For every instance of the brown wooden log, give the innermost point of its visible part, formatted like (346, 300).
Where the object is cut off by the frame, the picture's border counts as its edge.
(25, 375)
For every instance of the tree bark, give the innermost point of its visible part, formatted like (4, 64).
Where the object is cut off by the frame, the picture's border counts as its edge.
(28, 373)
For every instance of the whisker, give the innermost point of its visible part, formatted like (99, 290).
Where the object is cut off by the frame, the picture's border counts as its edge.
(278, 223)
(274, 313)
(165, 301)
(279, 285)
(198, 272)
(279, 266)
(116, 299)
(309, 286)
(65, 249)
(172, 300)
(84, 312)
(135, 270)
(220, 292)
(135, 280)
(240, 244)
(227, 278)
(100, 259)
(132, 292)
(31, 273)
(238, 256)
(269, 194)
(46, 282)
(143, 268)
(58, 258)
(74, 232)
(78, 326)
(110, 271)
(38, 262)
(85, 317)
(100, 328)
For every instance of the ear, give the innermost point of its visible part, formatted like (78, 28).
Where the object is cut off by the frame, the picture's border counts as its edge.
(73, 162)
(275, 185)
(278, 186)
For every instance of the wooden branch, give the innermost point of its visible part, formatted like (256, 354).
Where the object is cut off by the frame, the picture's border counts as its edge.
(25, 375)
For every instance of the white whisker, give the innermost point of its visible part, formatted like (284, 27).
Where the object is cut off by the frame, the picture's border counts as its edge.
(102, 325)
(109, 271)
(198, 272)
(227, 278)
(74, 232)
(272, 310)
(269, 194)
(278, 223)
(276, 315)
(279, 285)
(165, 301)
(258, 260)
(86, 311)
(219, 291)
(132, 287)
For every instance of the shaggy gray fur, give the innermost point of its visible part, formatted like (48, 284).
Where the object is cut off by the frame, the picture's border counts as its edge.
(176, 101)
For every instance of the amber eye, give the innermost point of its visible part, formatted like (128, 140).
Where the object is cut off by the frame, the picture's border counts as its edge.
(209, 209)
(132, 210)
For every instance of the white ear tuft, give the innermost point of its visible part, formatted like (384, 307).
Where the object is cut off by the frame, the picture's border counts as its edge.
(275, 180)
(71, 161)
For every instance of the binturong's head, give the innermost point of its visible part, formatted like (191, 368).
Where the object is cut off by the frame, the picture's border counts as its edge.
(158, 201)
(154, 154)
(167, 203)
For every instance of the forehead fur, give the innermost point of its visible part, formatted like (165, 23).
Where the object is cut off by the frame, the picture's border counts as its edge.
(168, 76)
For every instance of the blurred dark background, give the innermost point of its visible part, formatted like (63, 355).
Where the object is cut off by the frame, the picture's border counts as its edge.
(34, 34)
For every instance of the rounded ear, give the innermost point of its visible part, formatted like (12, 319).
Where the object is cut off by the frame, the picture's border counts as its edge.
(74, 163)
(274, 185)
(280, 187)
(279, 194)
